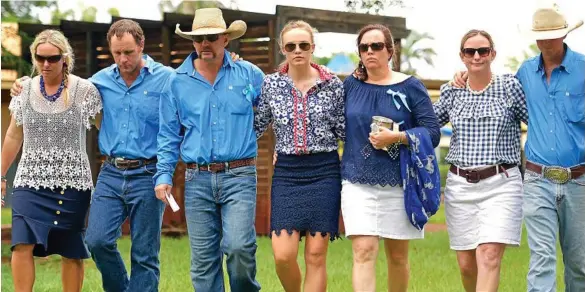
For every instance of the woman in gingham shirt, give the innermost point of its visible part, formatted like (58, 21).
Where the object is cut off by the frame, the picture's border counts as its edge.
(483, 193)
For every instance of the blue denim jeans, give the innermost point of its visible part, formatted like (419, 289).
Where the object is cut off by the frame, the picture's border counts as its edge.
(220, 209)
(121, 194)
(550, 208)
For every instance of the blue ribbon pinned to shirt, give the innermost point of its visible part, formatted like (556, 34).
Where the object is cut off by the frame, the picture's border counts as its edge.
(402, 97)
(250, 92)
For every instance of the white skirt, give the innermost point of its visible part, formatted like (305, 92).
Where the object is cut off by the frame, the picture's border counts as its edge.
(489, 211)
(376, 211)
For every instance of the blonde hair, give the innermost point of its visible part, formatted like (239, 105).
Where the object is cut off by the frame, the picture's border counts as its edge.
(292, 25)
(57, 39)
(475, 32)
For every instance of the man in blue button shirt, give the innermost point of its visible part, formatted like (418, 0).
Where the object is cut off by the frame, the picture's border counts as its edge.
(211, 98)
(554, 182)
(130, 90)
(554, 186)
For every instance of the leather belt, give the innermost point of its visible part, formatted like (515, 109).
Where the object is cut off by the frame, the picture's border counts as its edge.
(123, 163)
(222, 166)
(474, 176)
(557, 174)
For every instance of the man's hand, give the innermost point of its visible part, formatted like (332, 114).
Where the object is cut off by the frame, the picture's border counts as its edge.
(161, 192)
(235, 57)
(459, 79)
(17, 86)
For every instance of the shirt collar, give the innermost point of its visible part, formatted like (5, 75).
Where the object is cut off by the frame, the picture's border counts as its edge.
(187, 65)
(565, 64)
(148, 65)
(324, 73)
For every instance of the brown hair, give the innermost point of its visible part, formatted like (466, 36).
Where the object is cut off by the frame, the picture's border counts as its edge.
(361, 72)
(290, 26)
(122, 26)
(57, 39)
(475, 32)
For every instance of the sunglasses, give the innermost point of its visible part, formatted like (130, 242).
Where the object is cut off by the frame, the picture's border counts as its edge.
(208, 37)
(375, 47)
(304, 46)
(470, 52)
(50, 59)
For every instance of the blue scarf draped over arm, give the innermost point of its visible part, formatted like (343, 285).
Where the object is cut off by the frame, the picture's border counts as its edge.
(420, 175)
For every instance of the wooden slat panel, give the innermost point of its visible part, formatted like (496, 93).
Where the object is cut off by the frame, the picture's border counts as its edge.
(256, 32)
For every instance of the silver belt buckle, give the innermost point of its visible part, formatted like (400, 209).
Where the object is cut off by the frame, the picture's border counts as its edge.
(556, 174)
(116, 160)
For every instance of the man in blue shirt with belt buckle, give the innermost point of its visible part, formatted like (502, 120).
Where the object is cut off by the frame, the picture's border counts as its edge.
(554, 185)
(130, 91)
(554, 182)
(211, 98)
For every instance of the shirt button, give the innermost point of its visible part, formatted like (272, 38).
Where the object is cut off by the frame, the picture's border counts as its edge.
(550, 96)
(60, 202)
(58, 212)
(214, 140)
(124, 125)
(125, 109)
(552, 149)
(127, 93)
(550, 114)
(62, 192)
(551, 131)
(55, 222)
(213, 105)
(214, 123)
(122, 142)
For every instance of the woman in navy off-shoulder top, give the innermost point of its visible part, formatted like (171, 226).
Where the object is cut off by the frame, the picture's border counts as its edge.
(373, 198)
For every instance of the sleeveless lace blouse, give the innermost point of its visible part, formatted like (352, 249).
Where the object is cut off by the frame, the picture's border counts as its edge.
(54, 148)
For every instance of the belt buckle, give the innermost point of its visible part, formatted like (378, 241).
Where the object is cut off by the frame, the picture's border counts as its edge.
(116, 160)
(210, 166)
(472, 178)
(556, 174)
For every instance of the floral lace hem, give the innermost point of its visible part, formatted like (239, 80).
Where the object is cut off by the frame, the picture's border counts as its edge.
(53, 186)
(303, 232)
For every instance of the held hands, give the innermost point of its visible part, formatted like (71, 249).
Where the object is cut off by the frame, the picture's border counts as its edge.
(384, 138)
(17, 86)
(161, 191)
(459, 79)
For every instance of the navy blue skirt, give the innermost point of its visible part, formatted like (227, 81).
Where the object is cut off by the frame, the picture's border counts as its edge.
(52, 220)
(306, 194)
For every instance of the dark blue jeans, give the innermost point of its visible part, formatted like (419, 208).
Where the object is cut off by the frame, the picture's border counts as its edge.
(121, 194)
(220, 209)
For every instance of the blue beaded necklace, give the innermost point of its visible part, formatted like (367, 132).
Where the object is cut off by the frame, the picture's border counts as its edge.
(54, 96)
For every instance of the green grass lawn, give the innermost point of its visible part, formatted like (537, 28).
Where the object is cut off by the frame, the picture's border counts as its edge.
(6, 216)
(433, 267)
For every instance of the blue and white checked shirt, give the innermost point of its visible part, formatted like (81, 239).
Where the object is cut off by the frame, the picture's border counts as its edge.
(486, 127)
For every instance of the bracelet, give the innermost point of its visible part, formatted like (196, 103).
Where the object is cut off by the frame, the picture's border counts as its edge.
(3, 178)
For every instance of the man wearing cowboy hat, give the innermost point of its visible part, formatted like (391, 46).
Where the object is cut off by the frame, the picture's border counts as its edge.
(554, 185)
(212, 98)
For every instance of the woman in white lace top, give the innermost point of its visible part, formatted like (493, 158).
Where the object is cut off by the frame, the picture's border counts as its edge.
(53, 182)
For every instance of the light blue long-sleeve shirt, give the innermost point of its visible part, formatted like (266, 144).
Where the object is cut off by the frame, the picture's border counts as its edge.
(556, 130)
(130, 115)
(217, 118)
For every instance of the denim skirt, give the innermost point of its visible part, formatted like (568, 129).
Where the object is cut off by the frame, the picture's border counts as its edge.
(306, 194)
(52, 220)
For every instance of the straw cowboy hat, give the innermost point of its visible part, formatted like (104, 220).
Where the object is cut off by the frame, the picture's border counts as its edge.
(548, 23)
(210, 21)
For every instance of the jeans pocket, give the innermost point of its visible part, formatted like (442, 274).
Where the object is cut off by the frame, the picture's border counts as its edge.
(244, 171)
(531, 176)
(190, 174)
(580, 180)
(149, 168)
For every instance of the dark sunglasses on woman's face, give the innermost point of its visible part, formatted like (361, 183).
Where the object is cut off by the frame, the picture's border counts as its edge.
(290, 47)
(470, 52)
(50, 59)
(375, 47)
(209, 37)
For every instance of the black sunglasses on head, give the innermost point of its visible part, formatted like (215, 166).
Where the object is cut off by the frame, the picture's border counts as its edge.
(50, 59)
(304, 46)
(375, 47)
(470, 52)
(208, 37)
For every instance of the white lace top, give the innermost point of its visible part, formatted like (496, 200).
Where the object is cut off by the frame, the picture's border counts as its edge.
(54, 152)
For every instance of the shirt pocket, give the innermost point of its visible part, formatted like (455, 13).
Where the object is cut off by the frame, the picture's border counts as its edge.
(574, 106)
(237, 102)
(148, 105)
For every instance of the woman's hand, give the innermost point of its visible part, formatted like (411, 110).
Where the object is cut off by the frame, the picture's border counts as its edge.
(384, 138)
